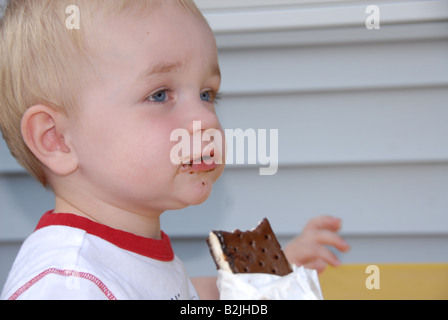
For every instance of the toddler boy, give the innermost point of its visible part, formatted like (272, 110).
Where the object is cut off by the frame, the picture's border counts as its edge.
(88, 112)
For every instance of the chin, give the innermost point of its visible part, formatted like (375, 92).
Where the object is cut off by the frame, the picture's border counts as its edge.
(195, 189)
(198, 193)
(204, 192)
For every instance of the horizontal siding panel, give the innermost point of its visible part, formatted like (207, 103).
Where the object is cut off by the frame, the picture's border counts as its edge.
(22, 202)
(213, 5)
(402, 199)
(7, 163)
(335, 68)
(347, 127)
(424, 31)
(349, 14)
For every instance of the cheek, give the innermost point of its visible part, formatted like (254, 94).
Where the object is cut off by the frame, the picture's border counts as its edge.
(123, 152)
(147, 159)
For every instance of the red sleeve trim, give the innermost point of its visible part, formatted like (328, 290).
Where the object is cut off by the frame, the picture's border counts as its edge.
(64, 273)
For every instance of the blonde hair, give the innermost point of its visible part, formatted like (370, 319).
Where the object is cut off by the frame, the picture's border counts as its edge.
(42, 61)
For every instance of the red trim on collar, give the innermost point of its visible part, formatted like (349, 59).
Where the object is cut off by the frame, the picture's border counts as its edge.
(155, 249)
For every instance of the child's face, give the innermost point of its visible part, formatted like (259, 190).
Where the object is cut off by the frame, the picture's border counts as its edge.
(155, 73)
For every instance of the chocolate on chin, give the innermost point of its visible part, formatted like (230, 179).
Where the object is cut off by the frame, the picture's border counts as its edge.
(254, 251)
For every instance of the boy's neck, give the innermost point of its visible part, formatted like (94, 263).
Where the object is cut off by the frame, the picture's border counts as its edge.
(144, 226)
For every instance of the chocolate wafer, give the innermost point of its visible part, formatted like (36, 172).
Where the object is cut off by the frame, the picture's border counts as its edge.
(254, 251)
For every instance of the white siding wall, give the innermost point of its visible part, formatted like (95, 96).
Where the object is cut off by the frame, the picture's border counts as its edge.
(362, 127)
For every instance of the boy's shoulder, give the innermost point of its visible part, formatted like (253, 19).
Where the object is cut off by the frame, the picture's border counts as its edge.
(67, 262)
(55, 263)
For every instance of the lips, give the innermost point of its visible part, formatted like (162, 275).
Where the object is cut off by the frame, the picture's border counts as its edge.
(202, 164)
(200, 167)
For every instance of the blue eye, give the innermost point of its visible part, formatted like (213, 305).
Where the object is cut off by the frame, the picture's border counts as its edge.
(211, 96)
(206, 96)
(159, 97)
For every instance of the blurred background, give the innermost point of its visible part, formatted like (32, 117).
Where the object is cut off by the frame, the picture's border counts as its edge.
(362, 116)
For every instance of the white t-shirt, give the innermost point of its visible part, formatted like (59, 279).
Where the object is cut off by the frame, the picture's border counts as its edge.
(70, 257)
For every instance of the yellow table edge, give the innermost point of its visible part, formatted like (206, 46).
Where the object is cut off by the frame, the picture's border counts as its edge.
(383, 281)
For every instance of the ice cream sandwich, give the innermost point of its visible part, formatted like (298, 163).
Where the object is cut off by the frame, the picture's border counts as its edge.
(254, 251)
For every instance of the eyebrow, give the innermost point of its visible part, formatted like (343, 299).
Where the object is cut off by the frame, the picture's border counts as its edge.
(164, 68)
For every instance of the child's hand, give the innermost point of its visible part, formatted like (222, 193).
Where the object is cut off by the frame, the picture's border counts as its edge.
(309, 249)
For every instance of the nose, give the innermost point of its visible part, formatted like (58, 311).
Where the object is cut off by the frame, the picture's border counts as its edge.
(203, 125)
(202, 113)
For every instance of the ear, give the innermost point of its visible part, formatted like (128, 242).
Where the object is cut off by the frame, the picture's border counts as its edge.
(44, 132)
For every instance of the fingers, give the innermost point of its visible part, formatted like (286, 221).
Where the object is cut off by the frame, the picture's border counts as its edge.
(311, 248)
(312, 255)
(324, 223)
(324, 230)
(311, 243)
(321, 254)
(318, 265)
(329, 238)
